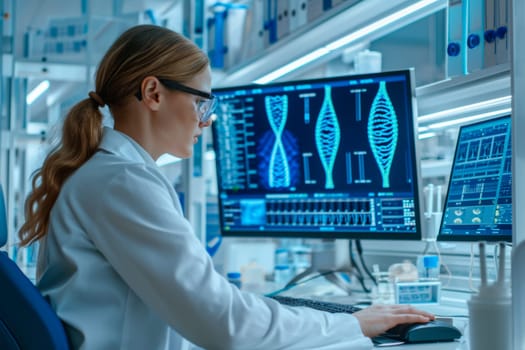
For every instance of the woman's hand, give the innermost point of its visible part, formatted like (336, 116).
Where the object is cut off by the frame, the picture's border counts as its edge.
(376, 319)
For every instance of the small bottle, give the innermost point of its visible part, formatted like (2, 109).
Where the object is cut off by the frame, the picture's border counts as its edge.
(301, 259)
(234, 278)
(428, 267)
(282, 274)
(431, 266)
(282, 256)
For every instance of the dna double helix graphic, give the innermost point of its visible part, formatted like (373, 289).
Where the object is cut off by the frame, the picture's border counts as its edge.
(278, 168)
(383, 132)
(327, 136)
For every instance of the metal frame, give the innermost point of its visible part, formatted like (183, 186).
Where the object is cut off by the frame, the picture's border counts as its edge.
(518, 108)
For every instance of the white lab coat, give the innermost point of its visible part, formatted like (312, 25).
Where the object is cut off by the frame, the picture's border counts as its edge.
(123, 270)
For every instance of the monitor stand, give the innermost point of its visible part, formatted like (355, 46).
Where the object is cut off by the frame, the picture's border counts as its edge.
(328, 258)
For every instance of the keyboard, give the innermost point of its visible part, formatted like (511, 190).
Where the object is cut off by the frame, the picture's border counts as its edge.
(316, 304)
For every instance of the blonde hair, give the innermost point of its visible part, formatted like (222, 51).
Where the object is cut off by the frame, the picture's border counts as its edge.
(139, 52)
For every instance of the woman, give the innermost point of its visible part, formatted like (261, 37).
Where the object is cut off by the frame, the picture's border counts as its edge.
(118, 261)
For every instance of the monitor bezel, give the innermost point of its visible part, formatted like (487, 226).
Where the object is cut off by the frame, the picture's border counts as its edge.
(367, 235)
(469, 238)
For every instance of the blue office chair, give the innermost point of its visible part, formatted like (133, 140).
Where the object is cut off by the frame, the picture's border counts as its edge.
(27, 321)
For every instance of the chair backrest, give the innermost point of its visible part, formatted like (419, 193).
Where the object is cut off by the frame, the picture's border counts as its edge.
(27, 321)
(3, 219)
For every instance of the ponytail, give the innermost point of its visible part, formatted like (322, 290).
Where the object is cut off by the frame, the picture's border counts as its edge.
(140, 51)
(81, 135)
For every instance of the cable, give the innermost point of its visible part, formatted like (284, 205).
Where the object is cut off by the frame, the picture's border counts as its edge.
(359, 274)
(360, 251)
(353, 261)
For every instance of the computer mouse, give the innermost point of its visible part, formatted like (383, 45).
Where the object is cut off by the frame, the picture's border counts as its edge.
(433, 331)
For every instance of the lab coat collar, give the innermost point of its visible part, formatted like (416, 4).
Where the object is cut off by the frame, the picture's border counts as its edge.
(118, 143)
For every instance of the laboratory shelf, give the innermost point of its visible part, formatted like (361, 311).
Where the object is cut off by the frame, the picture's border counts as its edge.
(366, 20)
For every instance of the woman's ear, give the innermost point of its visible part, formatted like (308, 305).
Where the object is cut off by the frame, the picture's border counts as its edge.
(150, 88)
(206, 123)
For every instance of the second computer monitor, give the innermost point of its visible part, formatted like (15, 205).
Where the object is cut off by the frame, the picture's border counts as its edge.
(319, 158)
(478, 206)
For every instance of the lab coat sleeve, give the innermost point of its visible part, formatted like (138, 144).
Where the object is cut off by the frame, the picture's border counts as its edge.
(143, 235)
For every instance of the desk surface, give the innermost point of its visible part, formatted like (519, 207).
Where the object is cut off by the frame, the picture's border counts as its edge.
(320, 289)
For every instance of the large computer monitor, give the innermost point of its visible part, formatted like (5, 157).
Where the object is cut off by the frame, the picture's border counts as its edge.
(478, 205)
(319, 158)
